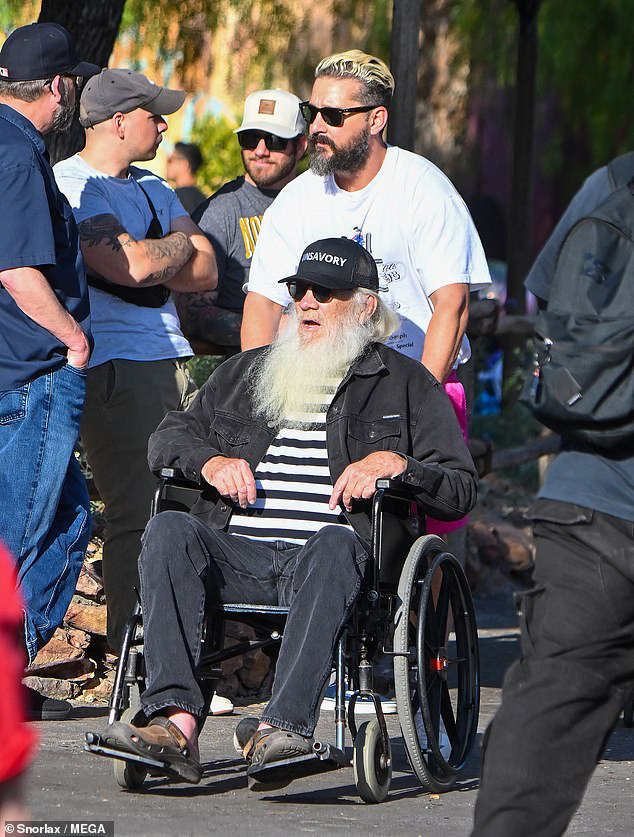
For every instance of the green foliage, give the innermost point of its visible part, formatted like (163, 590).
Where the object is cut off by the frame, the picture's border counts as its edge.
(16, 13)
(179, 29)
(515, 425)
(220, 150)
(585, 59)
(201, 366)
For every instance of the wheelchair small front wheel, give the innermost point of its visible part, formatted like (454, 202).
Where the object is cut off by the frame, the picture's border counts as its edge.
(128, 774)
(372, 763)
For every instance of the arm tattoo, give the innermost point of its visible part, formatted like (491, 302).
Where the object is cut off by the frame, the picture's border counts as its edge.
(175, 247)
(106, 229)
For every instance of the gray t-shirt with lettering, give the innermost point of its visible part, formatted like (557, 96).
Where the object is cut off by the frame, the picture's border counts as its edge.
(231, 220)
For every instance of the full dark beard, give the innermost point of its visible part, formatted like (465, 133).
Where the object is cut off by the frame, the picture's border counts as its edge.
(347, 160)
(65, 112)
(266, 180)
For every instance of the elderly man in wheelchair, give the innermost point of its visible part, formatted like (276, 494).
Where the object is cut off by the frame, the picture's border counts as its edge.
(288, 443)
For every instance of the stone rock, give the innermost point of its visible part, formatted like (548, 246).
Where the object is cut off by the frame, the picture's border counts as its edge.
(90, 585)
(255, 668)
(99, 688)
(53, 687)
(88, 617)
(64, 647)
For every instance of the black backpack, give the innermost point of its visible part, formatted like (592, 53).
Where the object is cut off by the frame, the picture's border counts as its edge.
(582, 381)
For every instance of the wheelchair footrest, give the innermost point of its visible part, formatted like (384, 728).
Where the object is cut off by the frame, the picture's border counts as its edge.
(278, 774)
(94, 744)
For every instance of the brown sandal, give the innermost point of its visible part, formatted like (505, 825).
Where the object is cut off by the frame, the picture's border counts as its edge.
(162, 740)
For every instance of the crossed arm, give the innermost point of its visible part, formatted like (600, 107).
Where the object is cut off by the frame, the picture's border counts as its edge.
(183, 260)
(233, 478)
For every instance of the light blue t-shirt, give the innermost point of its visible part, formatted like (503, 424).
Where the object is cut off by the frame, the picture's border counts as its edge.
(121, 329)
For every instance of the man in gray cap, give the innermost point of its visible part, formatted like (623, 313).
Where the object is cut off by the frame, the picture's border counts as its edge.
(272, 140)
(139, 245)
(45, 338)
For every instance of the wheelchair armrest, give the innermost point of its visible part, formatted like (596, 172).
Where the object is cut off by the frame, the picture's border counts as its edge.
(174, 492)
(173, 477)
(396, 488)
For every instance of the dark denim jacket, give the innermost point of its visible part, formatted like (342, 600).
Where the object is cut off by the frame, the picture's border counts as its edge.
(386, 402)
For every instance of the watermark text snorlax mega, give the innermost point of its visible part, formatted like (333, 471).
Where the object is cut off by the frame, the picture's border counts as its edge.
(105, 828)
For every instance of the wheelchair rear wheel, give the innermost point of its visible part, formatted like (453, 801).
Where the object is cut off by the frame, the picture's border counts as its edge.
(436, 667)
(372, 763)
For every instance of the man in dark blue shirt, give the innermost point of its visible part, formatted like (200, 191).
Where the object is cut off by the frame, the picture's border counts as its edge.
(45, 337)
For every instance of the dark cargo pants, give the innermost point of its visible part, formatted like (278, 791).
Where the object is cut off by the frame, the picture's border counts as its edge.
(562, 698)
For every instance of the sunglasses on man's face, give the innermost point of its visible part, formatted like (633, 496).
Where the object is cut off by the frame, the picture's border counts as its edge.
(298, 290)
(331, 116)
(249, 140)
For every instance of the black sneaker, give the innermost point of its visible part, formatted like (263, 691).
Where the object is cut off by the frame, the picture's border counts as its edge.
(42, 708)
(244, 730)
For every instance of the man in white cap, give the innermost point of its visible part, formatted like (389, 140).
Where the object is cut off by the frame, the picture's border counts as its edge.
(272, 140)
(139, 244)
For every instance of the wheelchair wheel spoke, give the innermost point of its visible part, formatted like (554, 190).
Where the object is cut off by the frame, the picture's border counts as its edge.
(436, 682)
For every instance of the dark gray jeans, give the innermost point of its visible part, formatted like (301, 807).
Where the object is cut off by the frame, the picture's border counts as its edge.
(562, 698)
(185, 566)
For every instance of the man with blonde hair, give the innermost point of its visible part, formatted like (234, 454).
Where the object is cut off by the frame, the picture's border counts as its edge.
(396, 204)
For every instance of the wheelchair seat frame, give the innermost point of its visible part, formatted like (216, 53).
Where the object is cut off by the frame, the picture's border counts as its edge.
(407, 610)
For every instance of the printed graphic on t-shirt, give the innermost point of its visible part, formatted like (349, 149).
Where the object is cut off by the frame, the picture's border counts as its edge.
(250, 229)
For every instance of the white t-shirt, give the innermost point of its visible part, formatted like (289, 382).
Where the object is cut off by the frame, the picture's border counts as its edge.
(410, 217)
(121, 329)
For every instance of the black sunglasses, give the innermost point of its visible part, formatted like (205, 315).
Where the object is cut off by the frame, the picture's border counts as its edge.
(297, 290)
(331, 116)
(249, 140)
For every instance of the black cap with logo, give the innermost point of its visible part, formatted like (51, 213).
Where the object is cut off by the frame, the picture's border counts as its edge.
(337, 263)
(41, 51)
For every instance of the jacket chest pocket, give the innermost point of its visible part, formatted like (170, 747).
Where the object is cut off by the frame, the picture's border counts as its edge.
(232, 433)
(380, 434)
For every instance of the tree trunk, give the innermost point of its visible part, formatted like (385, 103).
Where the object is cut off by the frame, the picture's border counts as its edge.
(519, 251)
(94, 25)
(404, 65)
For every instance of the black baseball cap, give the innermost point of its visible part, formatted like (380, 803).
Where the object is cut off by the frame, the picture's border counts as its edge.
(41, 51)
(337, 263)
(122, 91)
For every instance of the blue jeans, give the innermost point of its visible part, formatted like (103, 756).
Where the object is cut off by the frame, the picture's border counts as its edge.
(44, 505)
(185, 566)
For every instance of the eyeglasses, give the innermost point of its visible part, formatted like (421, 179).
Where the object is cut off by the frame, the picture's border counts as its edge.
(77, 81)
(249, 140)
(298, 290)
(331, 116)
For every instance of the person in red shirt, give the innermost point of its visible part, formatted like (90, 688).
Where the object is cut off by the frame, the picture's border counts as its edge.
(17, 739)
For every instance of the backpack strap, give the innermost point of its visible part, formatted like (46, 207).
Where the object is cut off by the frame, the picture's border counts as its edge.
(621, 170)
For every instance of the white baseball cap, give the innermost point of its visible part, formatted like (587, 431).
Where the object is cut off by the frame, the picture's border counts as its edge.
(273, 111)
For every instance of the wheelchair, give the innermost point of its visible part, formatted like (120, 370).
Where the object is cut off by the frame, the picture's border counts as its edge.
(415, 607)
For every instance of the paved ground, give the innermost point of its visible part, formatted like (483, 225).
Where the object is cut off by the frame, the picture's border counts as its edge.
(66, 783)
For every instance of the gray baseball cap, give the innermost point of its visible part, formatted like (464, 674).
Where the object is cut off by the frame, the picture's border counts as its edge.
(121, 91)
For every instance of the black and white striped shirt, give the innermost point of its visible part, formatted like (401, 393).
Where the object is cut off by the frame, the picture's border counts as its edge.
(293, 484)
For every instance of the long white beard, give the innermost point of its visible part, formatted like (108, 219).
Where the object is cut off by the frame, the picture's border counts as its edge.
(291, 377)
